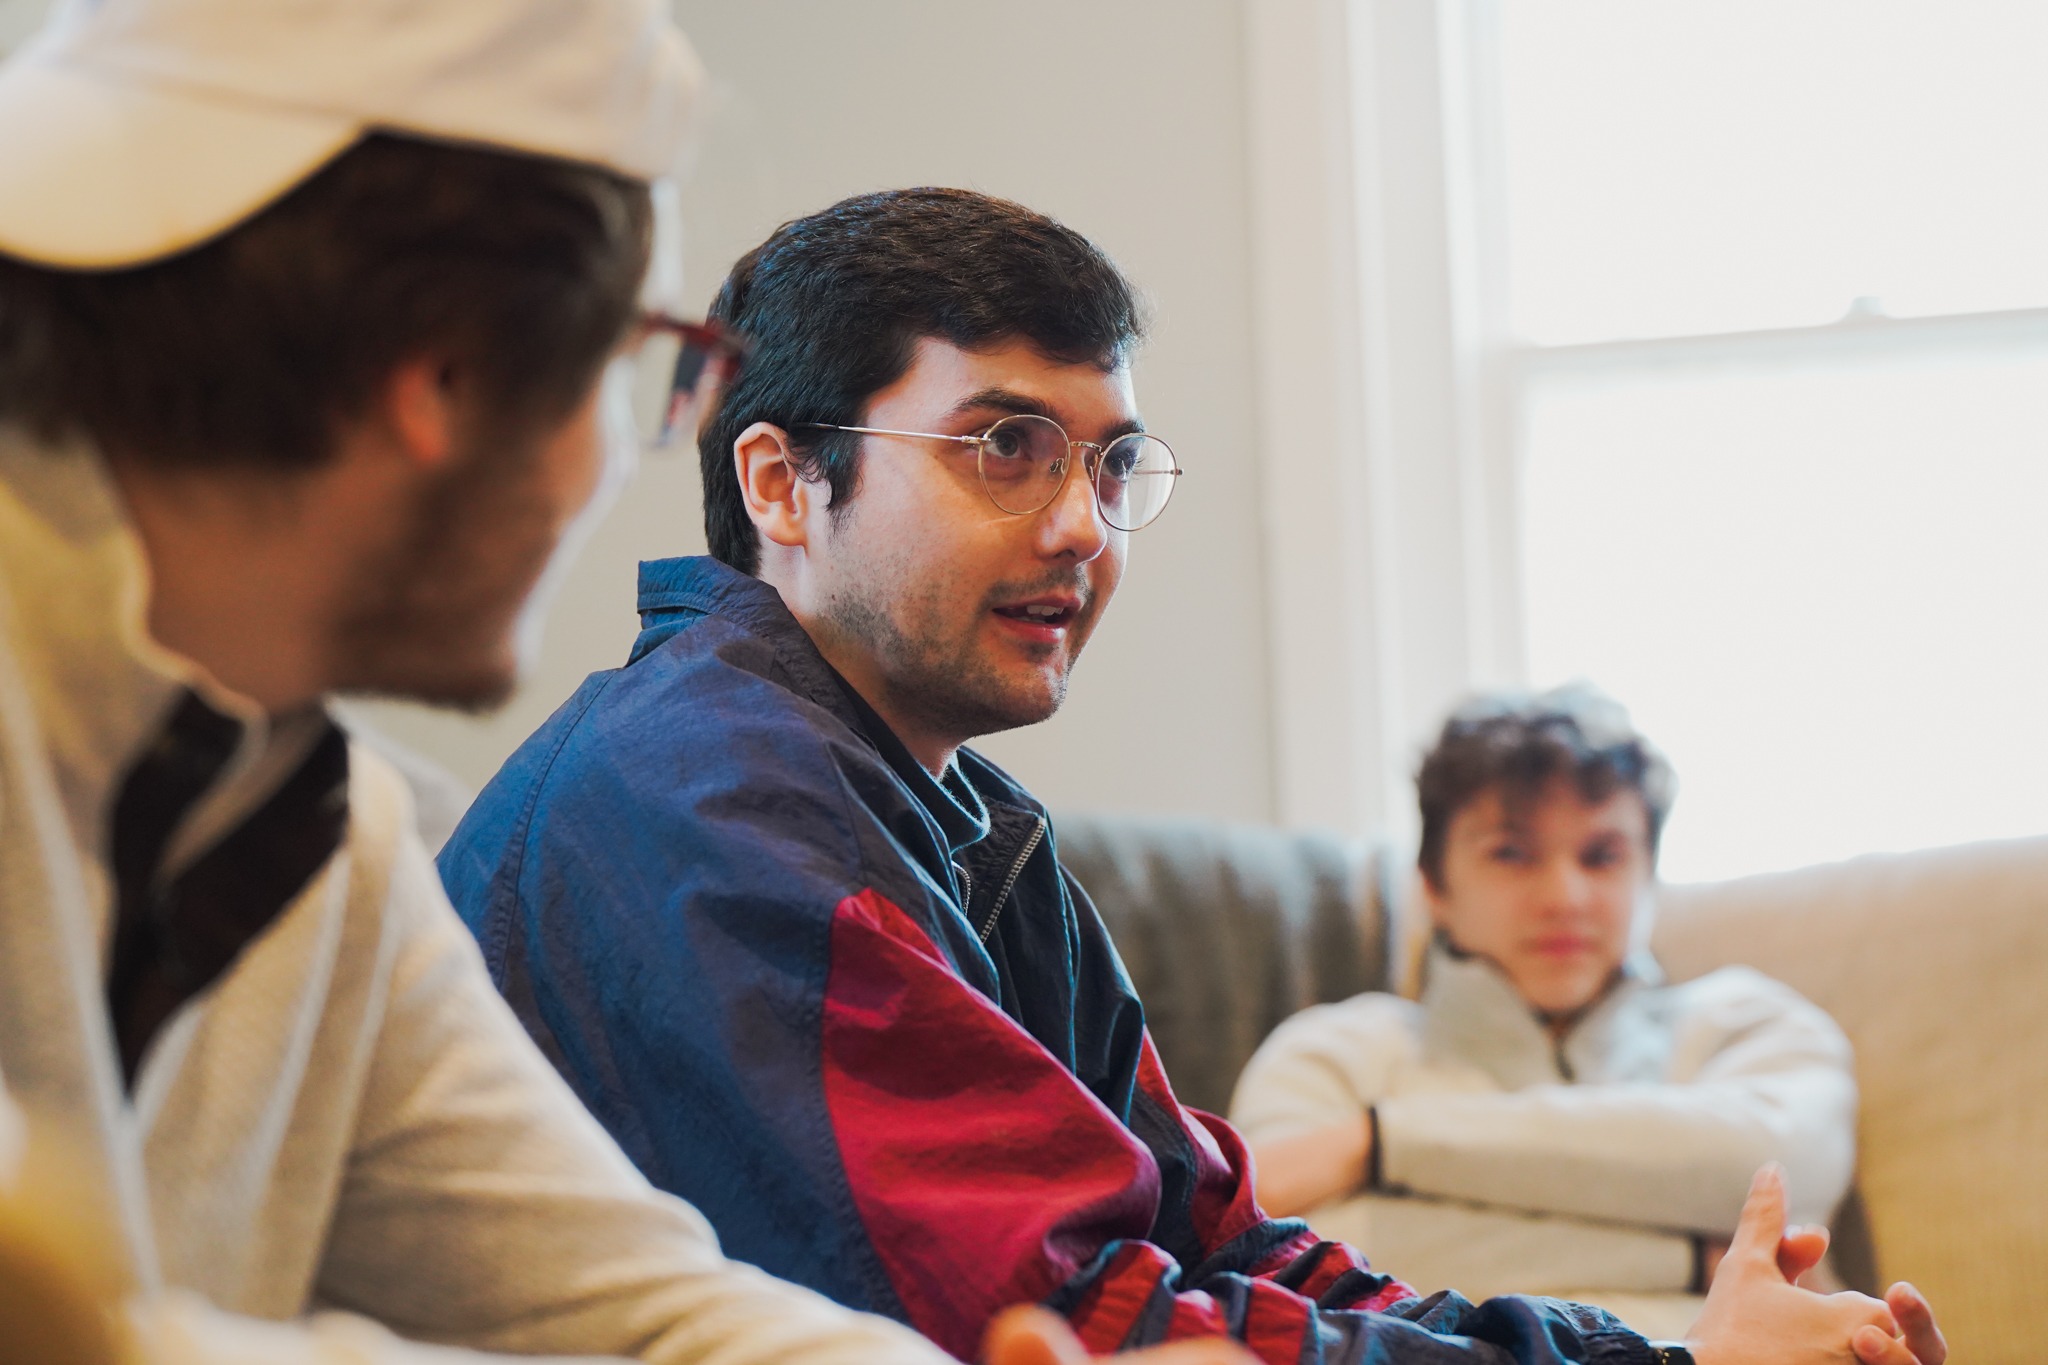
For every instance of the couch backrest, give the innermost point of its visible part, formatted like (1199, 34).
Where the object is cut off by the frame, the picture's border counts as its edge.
(1228, 929)
(1936, 965)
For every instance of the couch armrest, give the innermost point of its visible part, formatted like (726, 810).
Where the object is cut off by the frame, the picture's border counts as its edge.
(1932, 964)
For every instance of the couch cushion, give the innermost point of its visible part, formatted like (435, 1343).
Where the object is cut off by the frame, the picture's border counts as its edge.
(1228, 929)
(1936, 965)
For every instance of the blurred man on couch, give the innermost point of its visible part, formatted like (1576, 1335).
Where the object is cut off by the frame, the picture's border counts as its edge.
(815, 963)
(1550, 1116)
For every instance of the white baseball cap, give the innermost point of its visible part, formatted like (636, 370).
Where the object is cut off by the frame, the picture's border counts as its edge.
(134, 129)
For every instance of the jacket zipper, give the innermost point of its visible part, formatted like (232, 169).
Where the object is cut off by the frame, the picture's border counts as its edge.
(1016, 871)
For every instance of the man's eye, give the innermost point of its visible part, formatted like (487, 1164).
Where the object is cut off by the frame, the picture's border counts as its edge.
(1600, 856)
(1508, 853)
(1006, 444)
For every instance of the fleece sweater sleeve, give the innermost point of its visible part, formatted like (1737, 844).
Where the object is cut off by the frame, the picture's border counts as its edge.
(1479, 1250)
(1762, 1075)
(484, 1207)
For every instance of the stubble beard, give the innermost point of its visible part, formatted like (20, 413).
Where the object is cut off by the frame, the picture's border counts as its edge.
(431, 619)
(949, 686)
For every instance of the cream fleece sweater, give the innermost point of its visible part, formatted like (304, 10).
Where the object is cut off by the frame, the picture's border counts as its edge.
(1583, 1168)
(347, 1145)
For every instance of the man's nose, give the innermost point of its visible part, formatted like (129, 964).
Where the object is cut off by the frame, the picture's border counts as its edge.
(1071, 524)
(1565, 884)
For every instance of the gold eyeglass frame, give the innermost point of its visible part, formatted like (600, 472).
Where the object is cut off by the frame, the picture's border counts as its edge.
(1063, 469)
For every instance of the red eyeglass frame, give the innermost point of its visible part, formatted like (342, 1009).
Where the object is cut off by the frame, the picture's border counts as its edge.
(706, 347)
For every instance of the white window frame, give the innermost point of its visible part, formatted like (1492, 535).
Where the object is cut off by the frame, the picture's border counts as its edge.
(1391, 523)
(1390, 384)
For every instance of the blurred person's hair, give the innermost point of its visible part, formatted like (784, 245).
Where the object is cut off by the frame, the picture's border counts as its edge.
(254, 349)
(1518, 743)
(834, 305)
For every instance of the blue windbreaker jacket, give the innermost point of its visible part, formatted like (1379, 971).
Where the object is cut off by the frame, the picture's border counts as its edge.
(866, 1023)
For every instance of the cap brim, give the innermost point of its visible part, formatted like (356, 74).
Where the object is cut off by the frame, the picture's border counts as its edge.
(96, 173)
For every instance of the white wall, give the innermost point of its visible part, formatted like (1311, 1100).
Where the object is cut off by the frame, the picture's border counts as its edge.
(1124, 118)
(18, 18)
(1289, 632)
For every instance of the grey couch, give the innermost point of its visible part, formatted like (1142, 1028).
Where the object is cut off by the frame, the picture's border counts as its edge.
(1935, 963)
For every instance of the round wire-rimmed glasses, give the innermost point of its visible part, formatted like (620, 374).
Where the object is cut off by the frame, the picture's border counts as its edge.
(1024, 460)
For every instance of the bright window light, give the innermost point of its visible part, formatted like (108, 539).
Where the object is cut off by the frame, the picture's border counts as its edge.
(1725, 165)
(1823, 590)
(1815, 569)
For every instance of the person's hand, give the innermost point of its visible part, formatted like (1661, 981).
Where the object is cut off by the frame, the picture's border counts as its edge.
(1755, 1315)
(55, 1308)
(1920, 1342)
(1296, 1173)
(1799, 1252)
(1709, 1250)
(1029, 1335)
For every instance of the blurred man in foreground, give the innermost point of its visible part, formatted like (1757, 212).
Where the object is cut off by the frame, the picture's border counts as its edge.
(307, 322)
(815, 962)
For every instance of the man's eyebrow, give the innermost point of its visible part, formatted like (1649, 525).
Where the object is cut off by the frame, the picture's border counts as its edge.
(1002, 400)
(999, 399)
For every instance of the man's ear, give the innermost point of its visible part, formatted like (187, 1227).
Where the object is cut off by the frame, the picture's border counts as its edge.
(420, 399)
(783, 505)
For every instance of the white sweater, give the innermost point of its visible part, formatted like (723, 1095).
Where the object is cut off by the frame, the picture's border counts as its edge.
(1512, 1164)
(348, 1139)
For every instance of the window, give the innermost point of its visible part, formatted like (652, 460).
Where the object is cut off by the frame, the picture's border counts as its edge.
(1777, 290)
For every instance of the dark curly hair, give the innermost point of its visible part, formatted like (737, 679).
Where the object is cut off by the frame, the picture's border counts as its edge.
(1519, 742)
(836, 303)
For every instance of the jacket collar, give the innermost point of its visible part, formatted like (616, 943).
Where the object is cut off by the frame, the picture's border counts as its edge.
(1472, 1014)
(986, 819)
(673, 592)
(950, 800)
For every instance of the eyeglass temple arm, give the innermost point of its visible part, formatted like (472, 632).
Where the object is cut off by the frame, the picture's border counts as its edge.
(885, 431)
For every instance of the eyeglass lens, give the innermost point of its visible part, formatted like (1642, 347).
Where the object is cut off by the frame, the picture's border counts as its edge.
(670, 374)
(1024, 464)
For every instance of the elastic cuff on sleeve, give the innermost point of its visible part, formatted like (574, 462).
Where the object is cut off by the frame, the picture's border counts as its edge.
(1619, 1348)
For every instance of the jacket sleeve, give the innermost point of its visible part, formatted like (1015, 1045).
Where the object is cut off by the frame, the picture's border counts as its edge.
(986, 1174)
(484, 1207)
(1479, 1250)
(1761, 1075)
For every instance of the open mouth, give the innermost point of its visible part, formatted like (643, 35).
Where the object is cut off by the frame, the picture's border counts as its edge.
(1040, 613)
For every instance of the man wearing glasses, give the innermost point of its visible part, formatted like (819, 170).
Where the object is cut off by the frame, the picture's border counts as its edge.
(815, 963)
(308, 322)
